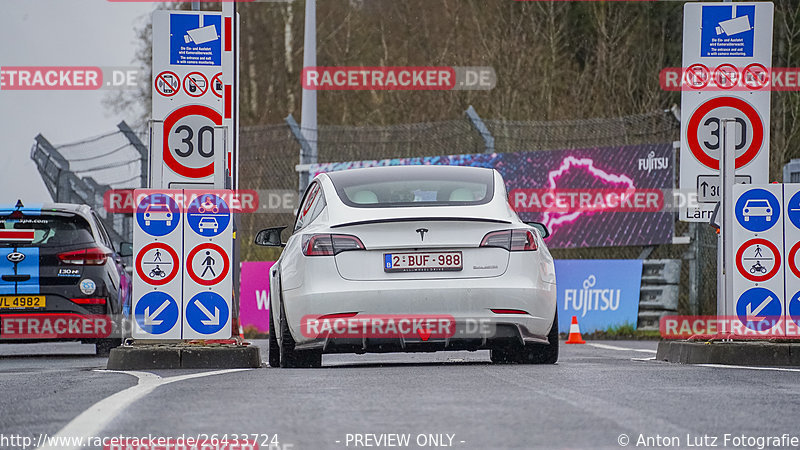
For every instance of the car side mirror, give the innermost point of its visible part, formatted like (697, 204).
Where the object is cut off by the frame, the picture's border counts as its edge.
(540, 227)
(125, 249)
(270, 237)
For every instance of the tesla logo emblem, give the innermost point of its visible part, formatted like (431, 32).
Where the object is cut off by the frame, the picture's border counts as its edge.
(422, 232)
(15, 257)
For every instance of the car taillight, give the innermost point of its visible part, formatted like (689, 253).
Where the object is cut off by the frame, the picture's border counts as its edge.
(330, 244)
(86, 257)
(512, 240)
(89, 301)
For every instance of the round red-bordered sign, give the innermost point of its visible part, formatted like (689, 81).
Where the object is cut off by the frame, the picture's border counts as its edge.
(721, 102)
(697, 76)
(164, 81)
(170, 121)
(759, 73)
(217, 81)
(726, 76)
(750, 276)
(195, 84)
(143, 275)
(225, 266)
(792, 264)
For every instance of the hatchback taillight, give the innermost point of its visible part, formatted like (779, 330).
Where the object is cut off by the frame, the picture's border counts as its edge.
(86, 257)
(330, 244)
(512, 240)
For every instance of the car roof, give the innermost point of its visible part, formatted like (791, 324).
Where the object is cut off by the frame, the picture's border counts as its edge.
(49, 207)
(407, 170)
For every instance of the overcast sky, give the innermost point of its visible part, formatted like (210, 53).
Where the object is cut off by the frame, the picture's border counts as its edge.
(58, 33)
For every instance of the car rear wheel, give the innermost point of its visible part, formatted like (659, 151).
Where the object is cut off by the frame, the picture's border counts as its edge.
(514, 353)
(291, 358)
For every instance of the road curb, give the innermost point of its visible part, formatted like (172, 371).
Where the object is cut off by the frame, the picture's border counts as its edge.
(183, 357)
(741, 353)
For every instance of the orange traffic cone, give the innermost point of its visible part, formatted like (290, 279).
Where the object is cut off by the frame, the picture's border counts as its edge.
(575, 333)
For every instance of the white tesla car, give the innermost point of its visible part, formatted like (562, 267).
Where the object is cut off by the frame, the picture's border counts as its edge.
(411, 258)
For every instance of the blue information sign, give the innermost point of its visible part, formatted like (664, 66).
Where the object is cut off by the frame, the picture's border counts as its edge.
(195, 39)
(158, 214)
(727, 31)
(207, 312)
(757, 210)
(208, 215)
(759, 309)
(793, 210)
(156, 312)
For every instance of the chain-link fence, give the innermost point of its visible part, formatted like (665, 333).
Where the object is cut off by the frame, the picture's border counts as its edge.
(84, 171)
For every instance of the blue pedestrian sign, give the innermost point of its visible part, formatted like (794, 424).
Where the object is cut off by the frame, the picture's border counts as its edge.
(195, 39)
(207, 312)
(208, 215)
(759, 309)
(727, 31)
(757, 210)
(158, 214)
(156, 312)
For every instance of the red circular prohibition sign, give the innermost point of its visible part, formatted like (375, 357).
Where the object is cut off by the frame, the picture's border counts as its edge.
(791, 256)
(225, 266)
(733, 102)
(744, 271)
(172, 273)
(169, 122)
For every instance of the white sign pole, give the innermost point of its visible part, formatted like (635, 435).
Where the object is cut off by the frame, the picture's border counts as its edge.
(727, 176)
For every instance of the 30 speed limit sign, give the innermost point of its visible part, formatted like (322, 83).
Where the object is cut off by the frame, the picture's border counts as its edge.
(735, 39)
(189, 142)
(193, 143)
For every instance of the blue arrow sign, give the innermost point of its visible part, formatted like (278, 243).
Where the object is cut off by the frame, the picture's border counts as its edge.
(207, 312)
(208, 215)
(158, 214)
(759, 309)
(794, 308)
(757, 210)
(156, 312)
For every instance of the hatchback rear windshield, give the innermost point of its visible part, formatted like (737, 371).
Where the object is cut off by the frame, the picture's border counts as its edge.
(412, 187)
(46, 230)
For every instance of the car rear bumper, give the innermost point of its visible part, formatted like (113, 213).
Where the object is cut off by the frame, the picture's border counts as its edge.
(467, 302)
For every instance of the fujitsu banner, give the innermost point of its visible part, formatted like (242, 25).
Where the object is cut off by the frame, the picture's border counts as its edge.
(592, 197)
(601, 293)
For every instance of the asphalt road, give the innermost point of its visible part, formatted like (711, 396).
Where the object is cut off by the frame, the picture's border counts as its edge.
(596, 393)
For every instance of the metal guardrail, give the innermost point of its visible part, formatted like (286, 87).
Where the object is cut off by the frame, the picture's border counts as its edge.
(659, 293)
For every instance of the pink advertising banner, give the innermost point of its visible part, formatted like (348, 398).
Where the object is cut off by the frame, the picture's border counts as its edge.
(254, 292)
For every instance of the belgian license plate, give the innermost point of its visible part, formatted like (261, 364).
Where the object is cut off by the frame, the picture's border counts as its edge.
(422, 262)
(22, 301)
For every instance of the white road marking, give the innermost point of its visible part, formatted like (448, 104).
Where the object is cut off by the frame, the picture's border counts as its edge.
(625, 349)
(92, 421)
(727, 366)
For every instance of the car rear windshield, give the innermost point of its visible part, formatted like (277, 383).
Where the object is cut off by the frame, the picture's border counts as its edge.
(412, 187)
(46, 230)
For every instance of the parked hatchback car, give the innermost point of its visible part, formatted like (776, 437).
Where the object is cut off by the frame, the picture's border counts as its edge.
(411, 258)
(60, 278)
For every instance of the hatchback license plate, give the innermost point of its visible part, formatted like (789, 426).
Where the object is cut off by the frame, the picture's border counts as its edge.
(22, 301)
(422, 262)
